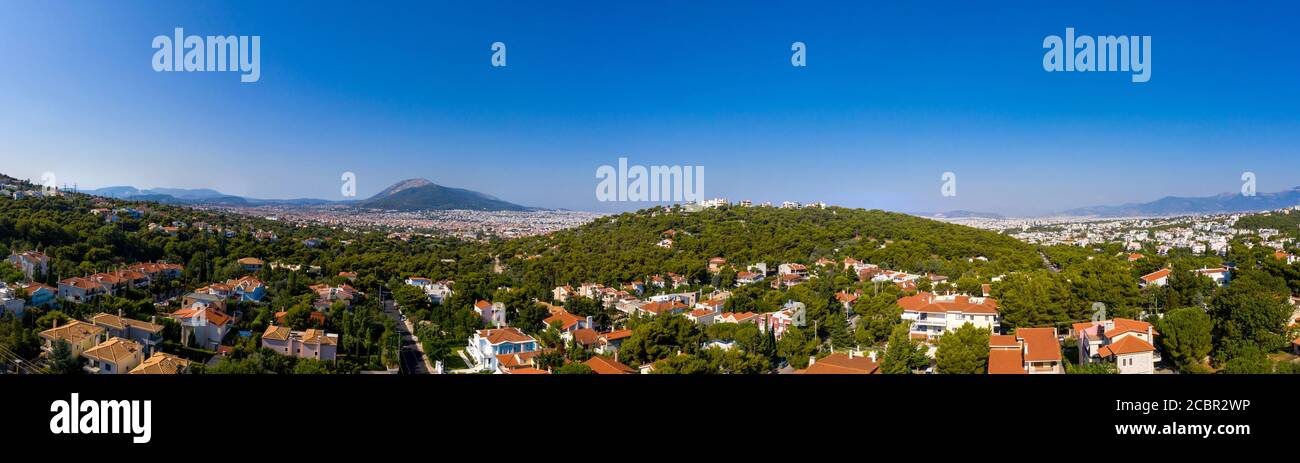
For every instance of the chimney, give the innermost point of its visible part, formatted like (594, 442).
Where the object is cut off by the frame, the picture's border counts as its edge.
(812, 359)
(119, 313)
(873, 356)
(153, 319)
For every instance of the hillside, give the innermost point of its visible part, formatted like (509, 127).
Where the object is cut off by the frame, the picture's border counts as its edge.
(623, 247)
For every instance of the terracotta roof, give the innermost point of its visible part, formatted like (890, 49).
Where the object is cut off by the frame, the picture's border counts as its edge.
(500, 335)
(123, 322)
(616, 335)
(315, 336)
(1040, 344)
(1156, 275)
(567, 320)
(1004, 341)
(115, 351)
(34, 287)
(214, 316)
(1006, 362)
(1126, 345)
(926, 302)
(1125, 325)
(608, 366)
(517, 360)
(74, 332)
(700, 312)
(526, 371)
(659, 308)
(161, 364)
(585, 336)
(277, 333)
(840, 363)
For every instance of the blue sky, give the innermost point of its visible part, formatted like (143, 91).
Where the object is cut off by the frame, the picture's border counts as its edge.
(894, 94)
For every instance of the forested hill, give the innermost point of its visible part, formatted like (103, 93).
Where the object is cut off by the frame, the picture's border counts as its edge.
(624, 247)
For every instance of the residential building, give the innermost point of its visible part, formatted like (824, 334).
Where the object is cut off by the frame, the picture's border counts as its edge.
(492, 313)
(33, 264)
(310, 344)
(203, 323)
(10, 302)
(608, 366)
(161, 363)
(251, 264)
(1156, 278)
(842, 363)
(1220, 275)
(81, 290)
(1029, 351)
(1128, 343)
(147, 334)
(932, 315)
(607, 343)
(39, 295)
(566, 322)
(485, 345)
(116, 356)
(248, 288)
(78, 334)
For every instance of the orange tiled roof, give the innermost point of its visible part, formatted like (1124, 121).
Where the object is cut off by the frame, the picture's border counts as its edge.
(1006, 362)
(926, 302)
(608, 366)
(1040, 344)
(840, 363)
(1126, 345)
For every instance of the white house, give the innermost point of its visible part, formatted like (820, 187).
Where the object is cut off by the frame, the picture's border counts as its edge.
(1220, 275)
(204, 321)
(485, 345)
(115, 356)
(1126, 342)
(933, 315)
(1156, 278)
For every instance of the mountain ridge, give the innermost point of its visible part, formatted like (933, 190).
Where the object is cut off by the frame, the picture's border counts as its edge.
(405, 195)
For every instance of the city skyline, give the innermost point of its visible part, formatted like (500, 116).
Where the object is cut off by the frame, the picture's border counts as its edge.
(882, 110)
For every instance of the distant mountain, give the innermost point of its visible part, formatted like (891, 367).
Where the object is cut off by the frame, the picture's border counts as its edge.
(1218, 204)
(421, 194)
(406, 195)
(125, 192)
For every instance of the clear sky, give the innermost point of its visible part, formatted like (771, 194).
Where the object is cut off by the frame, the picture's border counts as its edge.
(894, 94)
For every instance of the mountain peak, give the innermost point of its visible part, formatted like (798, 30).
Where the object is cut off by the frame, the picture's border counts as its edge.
(402, 185)
(421, 194)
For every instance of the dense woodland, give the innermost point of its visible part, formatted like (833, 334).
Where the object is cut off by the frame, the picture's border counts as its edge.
(1239, 328)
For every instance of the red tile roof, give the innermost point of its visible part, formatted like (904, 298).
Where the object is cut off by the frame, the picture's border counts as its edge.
(1156, 275)
(1040, 344)
(926, 302)
(1126, 345)
(608, 366)
(1006, 362)
(840, 363)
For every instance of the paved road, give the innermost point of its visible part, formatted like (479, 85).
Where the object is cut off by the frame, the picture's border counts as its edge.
(411, 357)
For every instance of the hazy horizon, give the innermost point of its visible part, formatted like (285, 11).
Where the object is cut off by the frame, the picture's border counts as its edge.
(892, 97)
